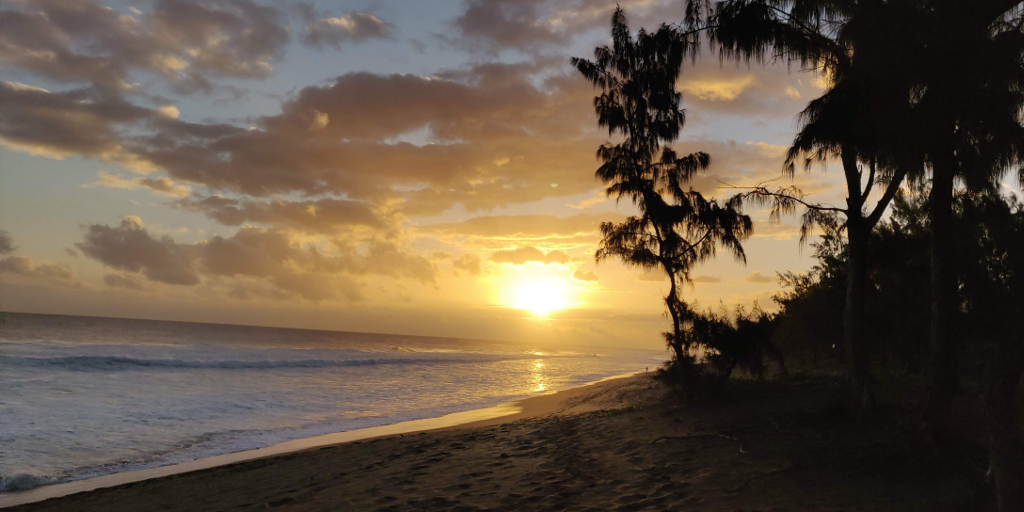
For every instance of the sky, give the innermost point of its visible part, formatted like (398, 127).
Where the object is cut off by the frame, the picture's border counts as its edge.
(402, 167)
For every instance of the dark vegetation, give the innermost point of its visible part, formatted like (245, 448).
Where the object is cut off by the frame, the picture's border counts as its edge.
(920, 276)
(677, 228)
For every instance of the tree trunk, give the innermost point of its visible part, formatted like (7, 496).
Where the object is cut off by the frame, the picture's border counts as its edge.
(941, 372)
(676, 343)
(1006, 448)
(853, 321)
(858, 232)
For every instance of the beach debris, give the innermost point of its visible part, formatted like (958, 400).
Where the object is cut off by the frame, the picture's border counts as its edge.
(693, 436)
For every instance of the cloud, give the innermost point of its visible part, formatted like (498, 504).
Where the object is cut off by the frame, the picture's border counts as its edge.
(716, 90)
(77, 122)
(659, 275)
(270, 255)
(385, 258)
(580, 275)
(183, 41)
(162, 185)
(523, 255)
(129, 247)
(524, 226)
(44, 270)
(259, 257)
(769, 91)
(653, 276)
(169, 111)
(587, 203)
(759, 278)
(474, 119)
(128, 282)
(385, 147)
(543, 26)
(706, 279)
(352, 28)
(6, 243)
(468, 262)
(777, 230)
(27, 267)
(320, 216)
(243, 289)
(320, 120)
(265, 253)
(452, 105)
(508, 24)
(492, 135)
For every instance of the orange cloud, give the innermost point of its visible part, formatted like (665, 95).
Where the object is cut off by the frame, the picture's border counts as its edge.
(580, 275)
(128, 282)
(524, 226)
(266, 257)
(468, 262)
(706, 279)
(29, 268)
(352, 28)
(320, 216)
(759, 278)
(523, 255)
(653, 276)
(162, 185)
(45, 270)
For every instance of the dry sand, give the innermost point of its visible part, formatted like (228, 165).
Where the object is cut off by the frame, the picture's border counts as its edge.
(615, 445)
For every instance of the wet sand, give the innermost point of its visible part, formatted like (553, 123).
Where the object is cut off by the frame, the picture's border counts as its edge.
(615, 445)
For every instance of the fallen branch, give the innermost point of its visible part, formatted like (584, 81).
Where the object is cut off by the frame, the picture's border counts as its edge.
(693, 436)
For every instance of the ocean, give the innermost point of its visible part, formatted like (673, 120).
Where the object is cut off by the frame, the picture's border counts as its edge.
(82, 396)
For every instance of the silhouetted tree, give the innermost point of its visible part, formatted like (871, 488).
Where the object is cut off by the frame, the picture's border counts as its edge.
(972, 82)
(989, 259)
(742, 340)
(991, 287)
(676, 228)
(811, 305)
(860, 48)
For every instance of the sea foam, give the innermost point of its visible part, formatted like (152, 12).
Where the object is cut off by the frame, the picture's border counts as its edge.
(82, 397)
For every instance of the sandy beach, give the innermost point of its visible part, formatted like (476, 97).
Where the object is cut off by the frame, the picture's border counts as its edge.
(614, 445)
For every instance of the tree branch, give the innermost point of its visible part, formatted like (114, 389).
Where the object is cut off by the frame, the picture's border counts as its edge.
(890, 192)
(760, 190)
(871, 179)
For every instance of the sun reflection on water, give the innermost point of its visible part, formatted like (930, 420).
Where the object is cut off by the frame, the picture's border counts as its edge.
(538, 382)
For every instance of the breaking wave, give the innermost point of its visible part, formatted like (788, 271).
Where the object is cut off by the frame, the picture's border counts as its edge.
(109, 363)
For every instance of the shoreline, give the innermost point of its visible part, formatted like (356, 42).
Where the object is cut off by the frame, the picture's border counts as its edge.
(623, 444)
(530, 407)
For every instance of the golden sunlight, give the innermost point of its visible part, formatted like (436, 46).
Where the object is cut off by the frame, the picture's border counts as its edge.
(540, 296)
(538, 382)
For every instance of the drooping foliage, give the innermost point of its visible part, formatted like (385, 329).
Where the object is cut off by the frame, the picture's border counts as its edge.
(676, 227)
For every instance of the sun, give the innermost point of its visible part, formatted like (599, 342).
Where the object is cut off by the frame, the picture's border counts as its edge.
(541, 296)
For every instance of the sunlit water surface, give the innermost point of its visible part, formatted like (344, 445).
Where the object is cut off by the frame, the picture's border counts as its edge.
(82, 396)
